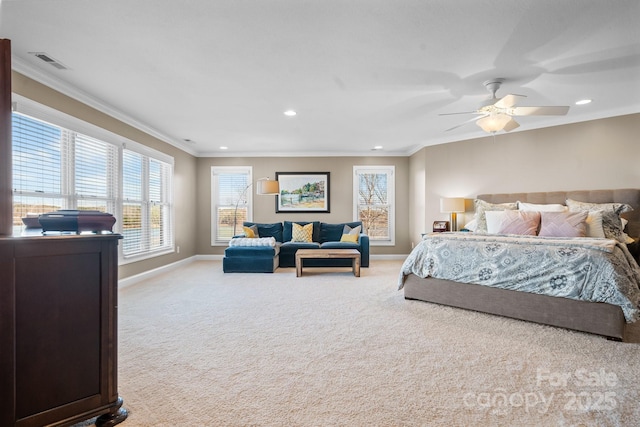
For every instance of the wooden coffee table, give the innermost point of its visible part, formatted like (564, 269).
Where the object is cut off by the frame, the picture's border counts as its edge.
(354, 254)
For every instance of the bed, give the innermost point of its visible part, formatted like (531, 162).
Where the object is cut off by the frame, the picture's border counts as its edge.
(506, 298)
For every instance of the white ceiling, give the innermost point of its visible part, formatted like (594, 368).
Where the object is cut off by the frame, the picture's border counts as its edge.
(360, 73)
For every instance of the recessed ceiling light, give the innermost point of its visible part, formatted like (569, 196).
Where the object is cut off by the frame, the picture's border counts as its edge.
(224, 148)
(583, 102)
(290, 113)
(378, 147)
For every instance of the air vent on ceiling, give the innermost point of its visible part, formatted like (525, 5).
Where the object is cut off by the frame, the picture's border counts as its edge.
(49, 60)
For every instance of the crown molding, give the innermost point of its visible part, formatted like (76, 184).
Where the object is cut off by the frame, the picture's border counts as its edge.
(28, 70)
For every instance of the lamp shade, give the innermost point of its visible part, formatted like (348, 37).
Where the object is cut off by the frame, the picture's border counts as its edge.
(452, 204)
(267, 187)
(494, 122)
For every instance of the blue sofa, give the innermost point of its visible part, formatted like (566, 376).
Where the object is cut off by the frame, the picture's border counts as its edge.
(266, 259)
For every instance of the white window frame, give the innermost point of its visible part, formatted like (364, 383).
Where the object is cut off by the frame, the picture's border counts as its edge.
(57, 118)
(245, 194)
(166, 203)
(390, 171)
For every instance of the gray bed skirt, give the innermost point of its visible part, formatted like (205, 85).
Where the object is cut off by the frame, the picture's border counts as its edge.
(596, 318)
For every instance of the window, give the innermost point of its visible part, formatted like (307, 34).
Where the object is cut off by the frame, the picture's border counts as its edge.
(374, 202)
(231, 201)
(55, 167)
(146, 205)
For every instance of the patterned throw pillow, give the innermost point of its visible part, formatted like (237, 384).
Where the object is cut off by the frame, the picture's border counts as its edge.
(611, 221)
(302, 233)
(482, 206)
(251, 232)
(563, 224)
(618, 208)
(513, 222)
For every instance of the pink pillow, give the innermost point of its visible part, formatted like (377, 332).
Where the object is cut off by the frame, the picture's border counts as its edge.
(563, 224)
(519, 222)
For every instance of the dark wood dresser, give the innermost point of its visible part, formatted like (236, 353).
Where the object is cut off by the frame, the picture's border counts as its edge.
(58, 330)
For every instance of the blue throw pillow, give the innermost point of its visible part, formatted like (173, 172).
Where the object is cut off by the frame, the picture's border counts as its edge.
(268, 230)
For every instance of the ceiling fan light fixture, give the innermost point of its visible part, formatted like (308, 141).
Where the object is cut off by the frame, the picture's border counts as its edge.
(493, 122)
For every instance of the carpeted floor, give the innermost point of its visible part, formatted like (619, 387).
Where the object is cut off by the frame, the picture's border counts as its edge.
(203, 348)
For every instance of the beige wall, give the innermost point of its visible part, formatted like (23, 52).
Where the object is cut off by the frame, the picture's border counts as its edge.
(597, 154)
(184, 166)
(341, 169)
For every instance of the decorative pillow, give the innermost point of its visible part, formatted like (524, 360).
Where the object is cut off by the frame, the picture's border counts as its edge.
(611, 221)
(287, 231)
(594, 224)
(302, 233)
(251, 232)
(563, 224)
(533, 207)
(353, 238)
(349, 230)
(482, 207)
(618, 208)
(274, 230)
(513, 222)
(471, 225)
(612, 226)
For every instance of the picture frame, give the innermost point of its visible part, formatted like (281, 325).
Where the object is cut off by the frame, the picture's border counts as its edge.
(303, 192)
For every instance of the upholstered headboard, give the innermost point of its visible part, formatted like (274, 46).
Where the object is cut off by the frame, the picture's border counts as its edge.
(630, 196)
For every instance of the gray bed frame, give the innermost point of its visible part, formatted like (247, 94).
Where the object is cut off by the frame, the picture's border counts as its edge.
(596, 318)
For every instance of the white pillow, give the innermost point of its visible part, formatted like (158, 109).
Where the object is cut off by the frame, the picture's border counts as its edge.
(533, 207)
(594, 224)
(494, 221)
(472, 225)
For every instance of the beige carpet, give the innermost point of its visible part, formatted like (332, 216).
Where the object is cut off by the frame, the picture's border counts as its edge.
(203, 348)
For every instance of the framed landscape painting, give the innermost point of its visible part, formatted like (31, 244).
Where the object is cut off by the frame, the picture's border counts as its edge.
(303, 192)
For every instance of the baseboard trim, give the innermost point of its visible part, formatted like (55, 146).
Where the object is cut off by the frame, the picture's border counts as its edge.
(132, 280)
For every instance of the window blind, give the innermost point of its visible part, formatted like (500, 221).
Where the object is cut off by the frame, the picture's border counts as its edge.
(146, 207)
(232, 201)
(37, 167)
(59, 168)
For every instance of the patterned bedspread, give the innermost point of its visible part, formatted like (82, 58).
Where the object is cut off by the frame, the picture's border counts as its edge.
(597, 270)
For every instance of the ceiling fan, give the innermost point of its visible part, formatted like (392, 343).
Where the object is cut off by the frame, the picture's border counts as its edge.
(496, 113)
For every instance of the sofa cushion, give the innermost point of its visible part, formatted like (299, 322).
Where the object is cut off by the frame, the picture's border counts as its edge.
(294, 246)
(287, 233)
(268, 230)
(333, 232)
(339, 245)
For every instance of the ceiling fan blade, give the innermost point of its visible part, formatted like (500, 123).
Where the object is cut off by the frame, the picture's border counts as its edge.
(511, 125)
(464, 112)
(541, 111)
(508, 101)
(472, 120)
